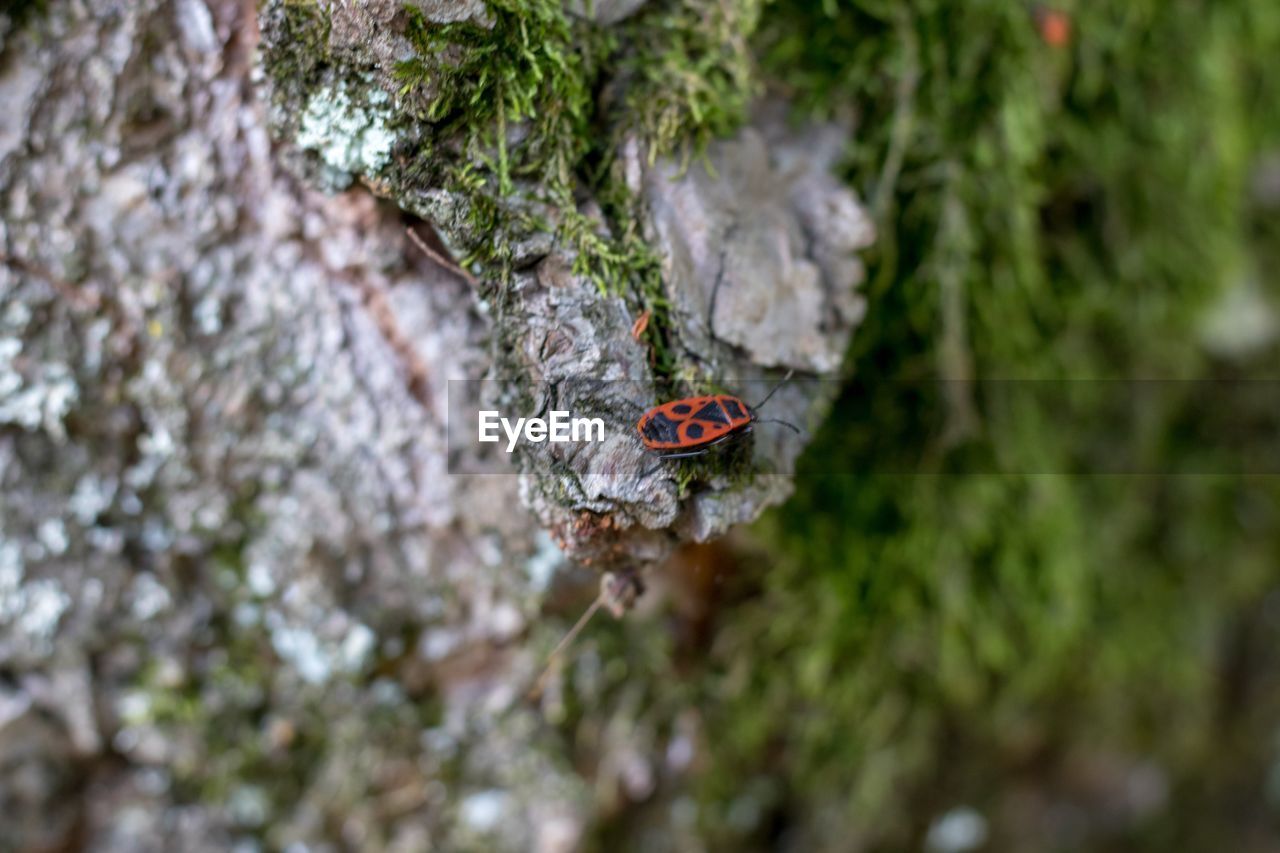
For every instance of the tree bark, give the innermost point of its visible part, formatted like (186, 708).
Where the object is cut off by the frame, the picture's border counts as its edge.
(240, 594)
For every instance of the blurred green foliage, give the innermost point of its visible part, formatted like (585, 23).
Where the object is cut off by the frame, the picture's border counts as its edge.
(915, 643)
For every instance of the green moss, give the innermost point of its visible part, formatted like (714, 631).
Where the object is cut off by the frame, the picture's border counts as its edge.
(528, 125)
(689, 72)
(534, 67)
(299, 52)
(515, 103)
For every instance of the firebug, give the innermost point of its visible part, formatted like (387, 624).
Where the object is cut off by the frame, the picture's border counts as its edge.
(693, 425)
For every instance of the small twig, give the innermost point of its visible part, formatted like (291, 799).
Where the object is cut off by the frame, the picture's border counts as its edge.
(640, 325)
(447, 263)
(903, 122)
(554, 657)
(617, 593)
(955, 352)
(384, 319)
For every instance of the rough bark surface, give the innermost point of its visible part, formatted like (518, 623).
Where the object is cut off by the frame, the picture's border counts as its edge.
(221, 446)
(240, 597)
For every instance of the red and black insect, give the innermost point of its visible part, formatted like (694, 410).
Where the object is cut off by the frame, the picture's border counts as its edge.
(694, 425)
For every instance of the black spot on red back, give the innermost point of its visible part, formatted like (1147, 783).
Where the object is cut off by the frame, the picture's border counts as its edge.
(711, 412)
(661, 428)
(735, 411)
(681, 408)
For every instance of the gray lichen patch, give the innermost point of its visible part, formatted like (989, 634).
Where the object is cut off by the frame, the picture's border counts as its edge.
(37, 395)
(350, 134)
(30, 608)
(453, 11)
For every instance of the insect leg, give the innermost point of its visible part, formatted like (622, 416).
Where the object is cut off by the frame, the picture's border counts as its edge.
(686, 455)
(645, 473)
(663, 457)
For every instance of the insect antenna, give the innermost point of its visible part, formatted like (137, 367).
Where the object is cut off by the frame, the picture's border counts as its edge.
(774, 390)
(791, 427)
(711, 307)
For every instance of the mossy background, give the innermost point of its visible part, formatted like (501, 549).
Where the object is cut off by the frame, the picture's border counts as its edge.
(1007, 629)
